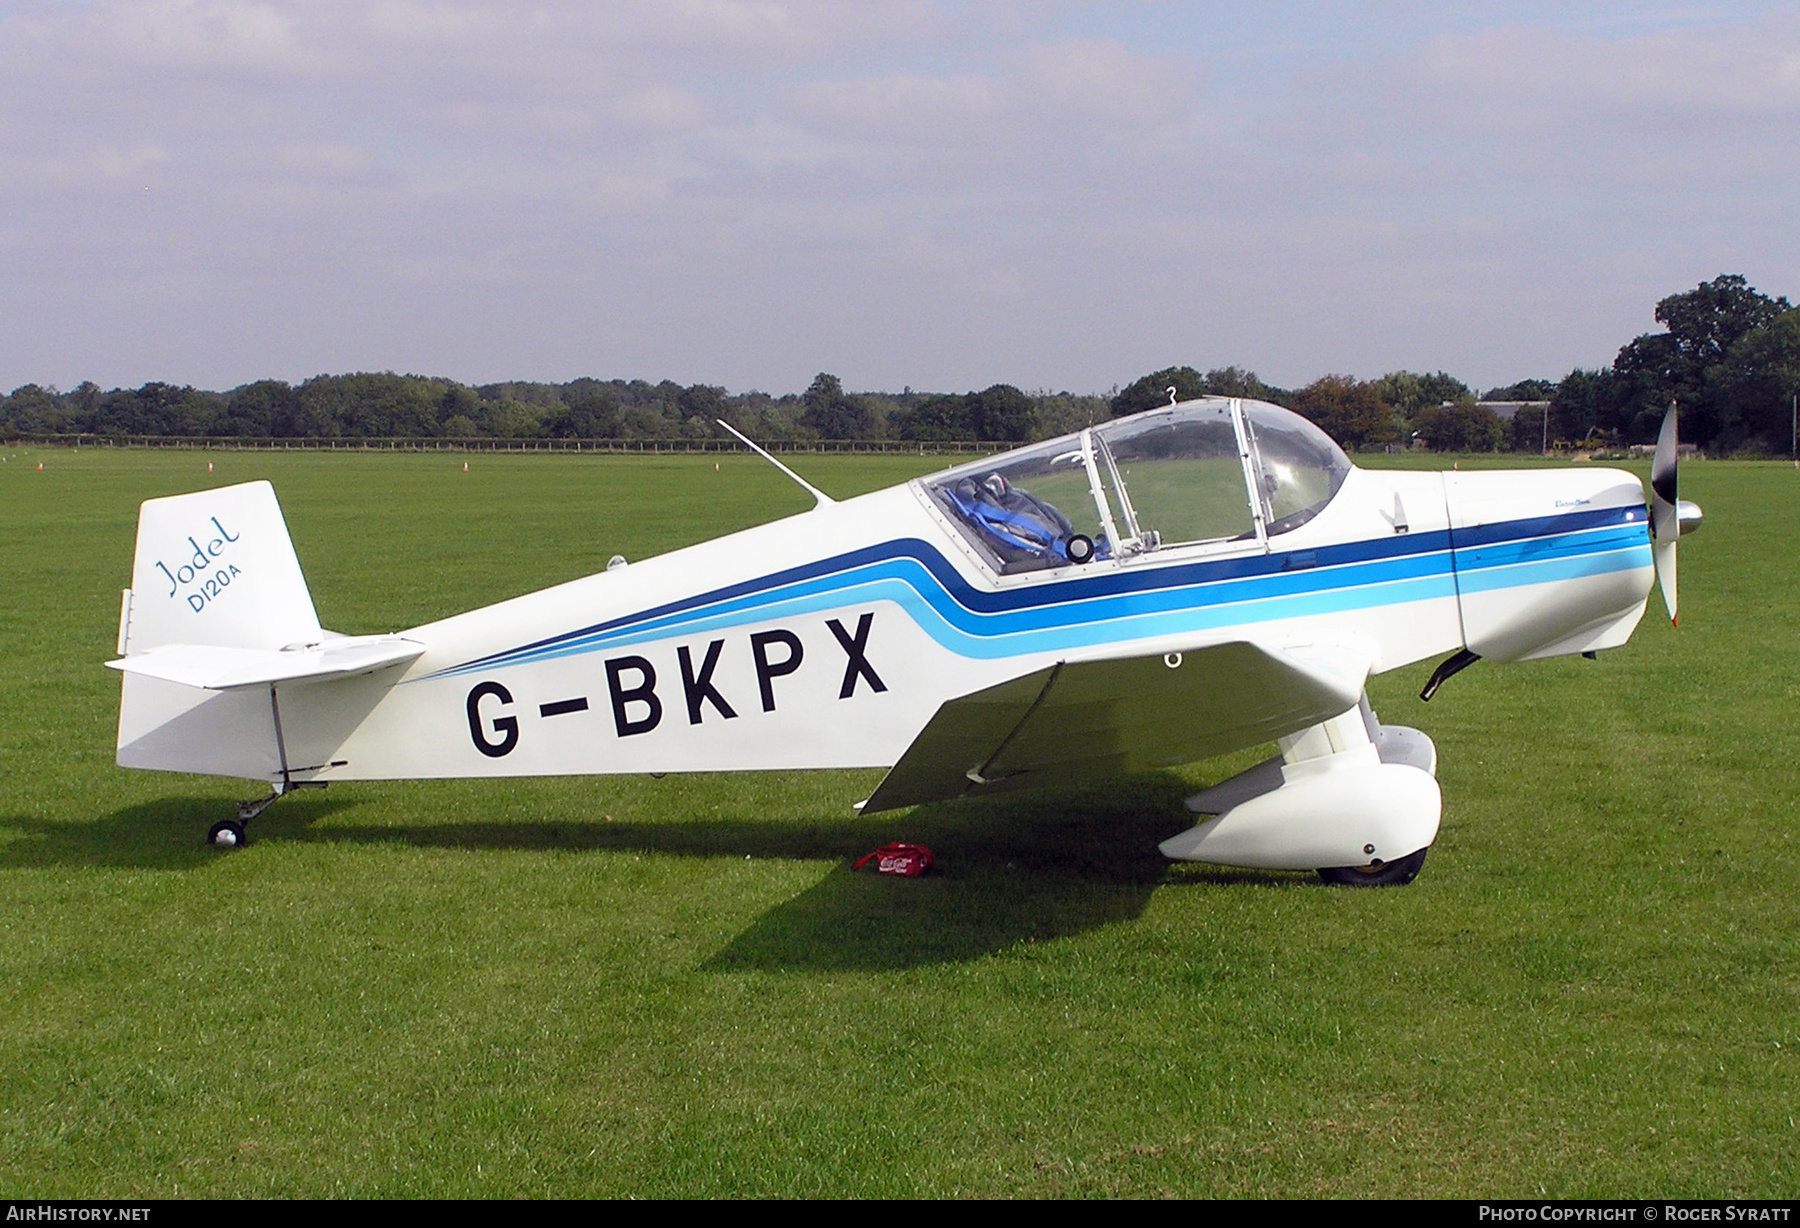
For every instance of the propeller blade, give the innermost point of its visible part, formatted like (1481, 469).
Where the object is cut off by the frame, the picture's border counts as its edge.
(1665, 519)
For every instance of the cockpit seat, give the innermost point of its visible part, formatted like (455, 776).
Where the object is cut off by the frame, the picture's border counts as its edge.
(1017, 525)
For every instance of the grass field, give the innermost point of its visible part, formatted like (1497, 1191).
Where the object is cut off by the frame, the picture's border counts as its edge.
(625, 987)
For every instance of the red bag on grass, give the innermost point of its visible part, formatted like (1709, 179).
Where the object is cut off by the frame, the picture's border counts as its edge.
(909, 860)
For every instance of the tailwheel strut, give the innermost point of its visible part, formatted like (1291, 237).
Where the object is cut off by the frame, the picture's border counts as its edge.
(233, 833)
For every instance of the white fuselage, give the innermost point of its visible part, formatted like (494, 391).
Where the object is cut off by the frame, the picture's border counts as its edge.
(831, 638)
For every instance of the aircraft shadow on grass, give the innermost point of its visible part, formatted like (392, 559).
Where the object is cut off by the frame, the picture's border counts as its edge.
(1009, 871)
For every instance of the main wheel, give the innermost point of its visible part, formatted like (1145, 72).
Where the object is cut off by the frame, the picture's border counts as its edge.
(1396, 873)
(226, 834)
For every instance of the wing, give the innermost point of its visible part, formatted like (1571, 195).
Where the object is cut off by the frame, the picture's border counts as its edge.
(1080, 720)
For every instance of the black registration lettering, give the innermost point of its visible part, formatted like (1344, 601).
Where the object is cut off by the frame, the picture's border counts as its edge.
(855, 646)
(623, 696)
(766, 670)
(507, 727)
(699, 688)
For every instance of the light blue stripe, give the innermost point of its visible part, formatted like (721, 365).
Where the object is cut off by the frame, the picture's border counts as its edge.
(1179, 609)
(995, 644)
(1550, 571)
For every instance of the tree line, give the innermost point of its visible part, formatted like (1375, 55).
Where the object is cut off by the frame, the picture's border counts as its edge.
(1727, 353)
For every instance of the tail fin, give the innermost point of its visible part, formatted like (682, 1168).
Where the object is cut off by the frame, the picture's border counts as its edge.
(217, 568)
(218, 634)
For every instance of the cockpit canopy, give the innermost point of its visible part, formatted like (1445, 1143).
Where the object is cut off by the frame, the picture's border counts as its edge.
(1213, 470)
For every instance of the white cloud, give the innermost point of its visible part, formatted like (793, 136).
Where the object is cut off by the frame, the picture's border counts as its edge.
(904, 107)
(326, 160)
(188, 34)
(1738, 69)
(661, 108)
(46, 173)
(1100, 81)
(948, 194)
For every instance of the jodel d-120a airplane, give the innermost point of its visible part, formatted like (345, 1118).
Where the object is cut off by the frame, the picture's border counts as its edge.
(1149, 592)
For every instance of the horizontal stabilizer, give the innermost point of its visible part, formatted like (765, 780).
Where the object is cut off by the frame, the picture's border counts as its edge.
(1081, 720)
(229, 669)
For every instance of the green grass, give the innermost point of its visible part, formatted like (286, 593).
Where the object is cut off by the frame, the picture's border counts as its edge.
(676, 987)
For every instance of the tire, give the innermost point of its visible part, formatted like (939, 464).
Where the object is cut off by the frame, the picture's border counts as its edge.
(1396, 873)
(226, 834)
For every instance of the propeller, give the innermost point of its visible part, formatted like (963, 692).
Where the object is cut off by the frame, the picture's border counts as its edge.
(1670, 516)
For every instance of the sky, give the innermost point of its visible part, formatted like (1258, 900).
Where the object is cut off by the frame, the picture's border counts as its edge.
(1057, 195)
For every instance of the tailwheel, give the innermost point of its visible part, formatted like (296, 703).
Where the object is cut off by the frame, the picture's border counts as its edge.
(227, 834)
(1396, 873)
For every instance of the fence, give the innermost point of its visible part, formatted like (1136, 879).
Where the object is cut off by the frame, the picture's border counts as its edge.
(925, 447)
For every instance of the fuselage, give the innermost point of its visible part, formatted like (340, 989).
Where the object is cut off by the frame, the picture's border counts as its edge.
(829, 639)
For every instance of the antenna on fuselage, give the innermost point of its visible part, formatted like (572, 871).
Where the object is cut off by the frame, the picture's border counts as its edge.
(821, 499)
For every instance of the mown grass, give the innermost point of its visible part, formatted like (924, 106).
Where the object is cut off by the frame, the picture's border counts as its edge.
(676, 987)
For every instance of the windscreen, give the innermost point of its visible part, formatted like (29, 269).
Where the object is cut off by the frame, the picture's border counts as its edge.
(1181, 473)
(1298, 466)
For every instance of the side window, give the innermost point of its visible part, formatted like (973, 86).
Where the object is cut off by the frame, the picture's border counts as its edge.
(1024, 510)
(1181, 474)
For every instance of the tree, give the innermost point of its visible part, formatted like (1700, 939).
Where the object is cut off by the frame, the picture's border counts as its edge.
(1703, 325)
(1706, 322)
(159, 409)
(703, 401)
(1349, 410)
(588, 412)
(939, 417)
(831, 413)
(267, 407)
(1152, 390)
(1524, 390)
(370, 404)
(1238, 382)
(1003, 414)
(461, 401)
(1755, 385)
(1062, 412)
(1527, 432)
(507, 418)
(32, 410)
(1409, 392)
(1461, 426)
(1589, 401)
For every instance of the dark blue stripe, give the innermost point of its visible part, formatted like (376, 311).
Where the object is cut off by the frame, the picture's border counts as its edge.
(1413, 547)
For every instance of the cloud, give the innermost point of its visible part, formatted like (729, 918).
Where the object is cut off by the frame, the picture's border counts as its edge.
(902, 107)
(189, 34)
(1739, 70)
(1100, 81)
(1087, 82)
(739, 190)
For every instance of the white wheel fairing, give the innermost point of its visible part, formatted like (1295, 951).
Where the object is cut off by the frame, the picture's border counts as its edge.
(1346, 817)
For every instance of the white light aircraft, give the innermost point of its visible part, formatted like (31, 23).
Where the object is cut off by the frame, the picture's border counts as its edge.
(1153, 591)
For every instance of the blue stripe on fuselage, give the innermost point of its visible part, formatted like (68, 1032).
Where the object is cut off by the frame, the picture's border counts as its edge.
(1130, 602)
